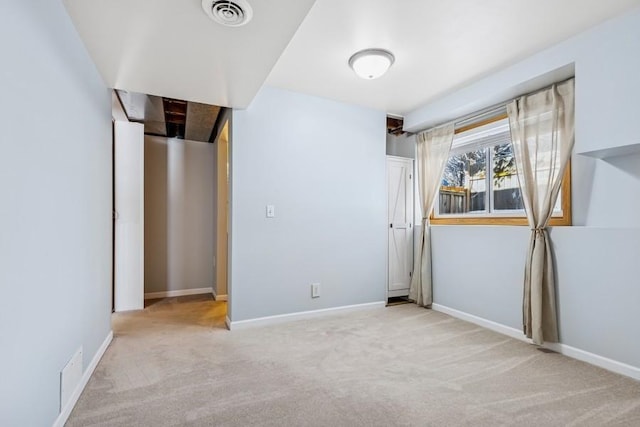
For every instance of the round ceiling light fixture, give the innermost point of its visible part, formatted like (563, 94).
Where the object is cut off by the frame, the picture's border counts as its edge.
(230, 13)
(371, 63)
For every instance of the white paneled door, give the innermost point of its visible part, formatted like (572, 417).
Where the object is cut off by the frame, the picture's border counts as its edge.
(400, 217)
(129, 208)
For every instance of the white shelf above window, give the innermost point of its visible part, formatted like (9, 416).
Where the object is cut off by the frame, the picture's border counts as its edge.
(620, 150)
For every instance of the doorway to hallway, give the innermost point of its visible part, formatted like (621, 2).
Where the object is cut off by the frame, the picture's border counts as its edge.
(182, 195)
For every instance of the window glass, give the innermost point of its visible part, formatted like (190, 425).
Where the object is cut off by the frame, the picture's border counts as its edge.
(464, 183)
(506, 187)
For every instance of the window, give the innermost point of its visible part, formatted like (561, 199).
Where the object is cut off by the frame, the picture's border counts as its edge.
(480, 183)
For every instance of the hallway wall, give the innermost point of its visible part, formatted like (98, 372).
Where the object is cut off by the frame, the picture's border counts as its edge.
(179, 214)
(221, 211)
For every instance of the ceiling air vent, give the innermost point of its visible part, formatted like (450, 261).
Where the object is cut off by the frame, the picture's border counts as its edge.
(229, 13)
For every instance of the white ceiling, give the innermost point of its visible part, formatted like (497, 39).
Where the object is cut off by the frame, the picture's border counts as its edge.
(170, 48)
(439, 45)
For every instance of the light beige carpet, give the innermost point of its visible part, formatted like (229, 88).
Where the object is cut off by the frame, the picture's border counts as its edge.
(174, 364)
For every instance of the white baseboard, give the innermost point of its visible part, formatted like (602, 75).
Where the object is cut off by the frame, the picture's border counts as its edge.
(494, 326)
(594, 359)
(221, 297)
(280, 318)
(564, 349)
(178, 293)
(66, 411)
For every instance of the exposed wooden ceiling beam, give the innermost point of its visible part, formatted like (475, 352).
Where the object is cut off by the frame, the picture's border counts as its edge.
(394, 125)
(175, 116)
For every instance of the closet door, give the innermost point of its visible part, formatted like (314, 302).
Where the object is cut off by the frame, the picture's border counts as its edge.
(400, 221)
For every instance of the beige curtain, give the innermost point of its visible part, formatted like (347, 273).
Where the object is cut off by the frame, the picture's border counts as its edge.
(433, 148)
(542, 132)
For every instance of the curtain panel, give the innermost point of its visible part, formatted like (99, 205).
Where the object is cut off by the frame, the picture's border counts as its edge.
(542, 134)
(433, 148)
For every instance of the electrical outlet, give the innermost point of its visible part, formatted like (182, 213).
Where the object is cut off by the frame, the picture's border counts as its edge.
(315, 290)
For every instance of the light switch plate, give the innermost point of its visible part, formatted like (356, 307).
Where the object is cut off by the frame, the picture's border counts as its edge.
(315, 290)
(271, 211)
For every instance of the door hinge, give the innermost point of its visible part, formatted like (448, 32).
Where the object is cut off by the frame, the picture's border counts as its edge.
(409, 274)
(409, 176)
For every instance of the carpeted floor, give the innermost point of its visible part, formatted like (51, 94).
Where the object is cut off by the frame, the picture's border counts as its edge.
(174, 364)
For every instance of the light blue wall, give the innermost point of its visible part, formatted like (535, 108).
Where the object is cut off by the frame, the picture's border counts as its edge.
(599, 290)
(479, 270)
(322, 164)
(55, 208)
